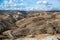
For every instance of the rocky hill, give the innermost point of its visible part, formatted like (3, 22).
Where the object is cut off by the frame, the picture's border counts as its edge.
(34, 24)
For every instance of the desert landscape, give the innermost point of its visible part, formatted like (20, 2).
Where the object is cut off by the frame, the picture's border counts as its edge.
(29, 25)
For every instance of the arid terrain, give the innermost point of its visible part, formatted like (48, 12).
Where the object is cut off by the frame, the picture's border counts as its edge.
(32, 25)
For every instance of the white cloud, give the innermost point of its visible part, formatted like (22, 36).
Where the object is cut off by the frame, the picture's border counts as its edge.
(5, 2)
(22, 4)
(38, 2)
(31, 8)
(45, 2)
(41, 2)
(15, 5)
(10, 1)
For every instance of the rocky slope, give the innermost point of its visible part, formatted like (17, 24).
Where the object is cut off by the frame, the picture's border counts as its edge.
(32, 25)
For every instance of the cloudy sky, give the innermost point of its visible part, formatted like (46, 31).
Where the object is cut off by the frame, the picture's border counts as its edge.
(30, 5)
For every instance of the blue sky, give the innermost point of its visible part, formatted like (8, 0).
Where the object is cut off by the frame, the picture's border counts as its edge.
(30, 5)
